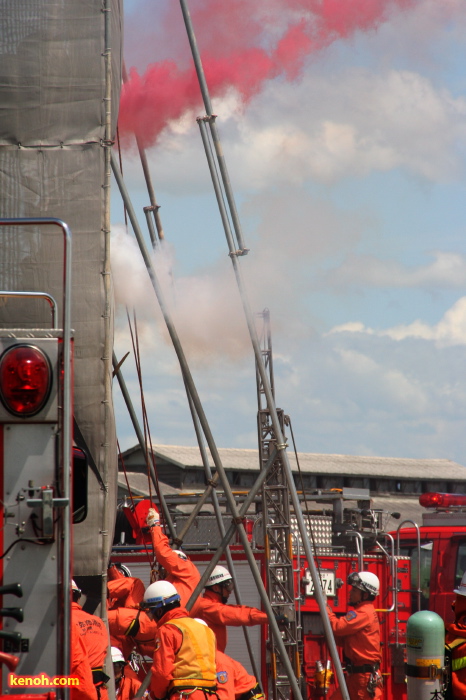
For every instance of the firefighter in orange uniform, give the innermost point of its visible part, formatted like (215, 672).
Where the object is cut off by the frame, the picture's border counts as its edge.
(80, 669)
(95, 637)
(212, 607)
(456, 643)
(234, 682)
(184, 656)
(123, 591)
(130, 629)
(125, 687)
(177, 568)
(359, 634)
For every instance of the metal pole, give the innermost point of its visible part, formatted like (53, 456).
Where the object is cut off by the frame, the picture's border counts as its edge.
(140, 437)
(206, 429)
(150, 225)
(217, 186)
(108, 333)
(154, 206)
(215, 136)
(221, 526)
(145, 167)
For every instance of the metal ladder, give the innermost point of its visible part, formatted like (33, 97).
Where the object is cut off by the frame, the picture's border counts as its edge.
(277, 533)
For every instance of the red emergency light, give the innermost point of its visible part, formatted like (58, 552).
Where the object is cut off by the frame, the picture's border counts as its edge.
(25, 380)
(441, 500)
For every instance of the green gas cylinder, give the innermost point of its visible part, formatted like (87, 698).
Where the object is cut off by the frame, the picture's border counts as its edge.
(425, 645)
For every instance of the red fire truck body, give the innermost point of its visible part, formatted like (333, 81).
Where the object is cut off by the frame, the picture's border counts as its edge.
(418, 568)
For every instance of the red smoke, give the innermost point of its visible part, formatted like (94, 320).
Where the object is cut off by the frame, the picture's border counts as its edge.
(231, 40)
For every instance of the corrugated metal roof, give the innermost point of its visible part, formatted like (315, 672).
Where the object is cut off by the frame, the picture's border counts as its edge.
(140, 487)
(388, 467)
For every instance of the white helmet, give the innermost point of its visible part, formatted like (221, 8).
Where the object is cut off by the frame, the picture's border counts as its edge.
(365, 581)
(181, 554)
(74, 586)
(159, 594)
(117, 656)
(461, 590)
(218, 575)
(124, 570)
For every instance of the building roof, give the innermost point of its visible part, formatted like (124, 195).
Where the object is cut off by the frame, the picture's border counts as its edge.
(139, 485)
(371, 467)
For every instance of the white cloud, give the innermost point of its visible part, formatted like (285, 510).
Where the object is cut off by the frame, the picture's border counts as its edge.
(450, 330)
(352, 124)
(447, 271)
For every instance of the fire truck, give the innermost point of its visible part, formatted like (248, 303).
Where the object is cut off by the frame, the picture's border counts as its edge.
(39, 472)
(418, 568)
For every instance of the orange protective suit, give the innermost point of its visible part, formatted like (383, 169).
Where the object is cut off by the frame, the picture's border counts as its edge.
(232, 678)
(182, 573)
(184, 657)
(125, 592)
(127, 688)
(81, 669)
(456, 638)
(359, 634)
(218, 615)
(95, 637)
(119, 621)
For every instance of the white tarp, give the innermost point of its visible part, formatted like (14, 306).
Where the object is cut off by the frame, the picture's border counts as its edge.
(52, 89)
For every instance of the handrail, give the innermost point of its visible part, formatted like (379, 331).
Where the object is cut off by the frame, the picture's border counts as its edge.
(38, 295)
(67, 418)
(391, 558)
(418, 532)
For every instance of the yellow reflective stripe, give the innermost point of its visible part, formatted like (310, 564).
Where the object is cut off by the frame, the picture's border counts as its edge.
(457, 664)
(456, 643)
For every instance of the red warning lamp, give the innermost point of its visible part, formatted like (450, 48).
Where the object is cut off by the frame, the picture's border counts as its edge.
(441, 500)
(25, 380)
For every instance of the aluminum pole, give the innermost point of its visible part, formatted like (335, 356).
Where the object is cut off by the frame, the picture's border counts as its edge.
(145, 168)
(215, 136)
(109, 423)
(221, 526)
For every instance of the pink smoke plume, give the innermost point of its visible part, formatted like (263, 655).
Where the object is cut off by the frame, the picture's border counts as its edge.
(238, 58)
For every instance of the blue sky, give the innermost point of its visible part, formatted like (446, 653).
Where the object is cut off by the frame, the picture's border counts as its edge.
(350, 185)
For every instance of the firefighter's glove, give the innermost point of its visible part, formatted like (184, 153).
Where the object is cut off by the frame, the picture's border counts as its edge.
(282, 620)
(152, 518)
